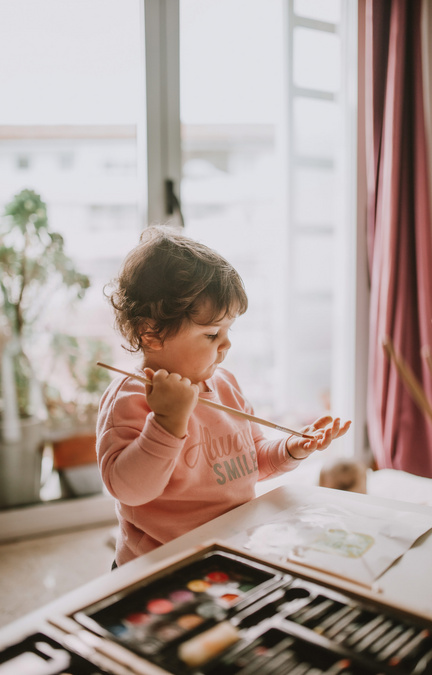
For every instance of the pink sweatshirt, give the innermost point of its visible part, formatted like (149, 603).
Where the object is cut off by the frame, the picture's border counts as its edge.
(165, 486)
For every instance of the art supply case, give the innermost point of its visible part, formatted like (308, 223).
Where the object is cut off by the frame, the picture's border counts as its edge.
(220, 610)
(39, 654)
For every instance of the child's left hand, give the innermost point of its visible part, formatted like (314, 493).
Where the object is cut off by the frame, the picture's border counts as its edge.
(324, 430)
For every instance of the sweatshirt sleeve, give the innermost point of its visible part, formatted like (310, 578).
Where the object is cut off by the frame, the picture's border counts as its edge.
(272, 455)
(136, 456)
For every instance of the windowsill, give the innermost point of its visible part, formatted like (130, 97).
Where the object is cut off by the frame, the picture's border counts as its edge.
(56, 516)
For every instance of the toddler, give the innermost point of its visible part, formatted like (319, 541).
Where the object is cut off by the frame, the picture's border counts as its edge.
(171, 463)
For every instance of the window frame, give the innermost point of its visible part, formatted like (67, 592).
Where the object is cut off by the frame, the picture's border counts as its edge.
(350, 355)
(160, 155)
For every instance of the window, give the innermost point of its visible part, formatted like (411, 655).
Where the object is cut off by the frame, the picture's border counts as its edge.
(265, 118)
(72, 98)
(68, 123)
(250, 108)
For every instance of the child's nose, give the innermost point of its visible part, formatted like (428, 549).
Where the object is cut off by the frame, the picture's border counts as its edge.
(225, 344)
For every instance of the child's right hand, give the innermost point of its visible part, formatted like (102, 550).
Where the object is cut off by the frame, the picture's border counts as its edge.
(172, 398)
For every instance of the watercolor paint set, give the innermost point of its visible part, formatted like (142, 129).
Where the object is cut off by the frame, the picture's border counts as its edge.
(155, 619)
(220, 610)
(223, 611)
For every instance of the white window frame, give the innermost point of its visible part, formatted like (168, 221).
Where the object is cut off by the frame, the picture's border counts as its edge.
(160, 156)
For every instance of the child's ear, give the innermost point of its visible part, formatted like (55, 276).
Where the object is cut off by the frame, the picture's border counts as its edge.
(150, 339)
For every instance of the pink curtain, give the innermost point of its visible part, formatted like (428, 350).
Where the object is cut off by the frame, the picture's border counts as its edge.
(399, 233)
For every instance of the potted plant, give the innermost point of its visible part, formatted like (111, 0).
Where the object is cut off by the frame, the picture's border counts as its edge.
(71, 393)
(33, 269)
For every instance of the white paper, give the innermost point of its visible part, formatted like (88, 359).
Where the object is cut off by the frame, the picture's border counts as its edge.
(358, 545)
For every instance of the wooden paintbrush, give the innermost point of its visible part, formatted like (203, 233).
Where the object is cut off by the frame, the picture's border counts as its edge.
(426, 353)
(219, 406)
(408, 378)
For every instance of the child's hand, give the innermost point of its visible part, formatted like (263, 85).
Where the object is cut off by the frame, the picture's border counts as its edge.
(172, 398)
(324, 429)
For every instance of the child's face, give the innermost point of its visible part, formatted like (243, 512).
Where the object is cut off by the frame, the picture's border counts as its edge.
(196, 350)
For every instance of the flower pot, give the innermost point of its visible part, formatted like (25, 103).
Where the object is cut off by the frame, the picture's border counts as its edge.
(75, 450)
(75, 461)
(21, 464)
(22, 426)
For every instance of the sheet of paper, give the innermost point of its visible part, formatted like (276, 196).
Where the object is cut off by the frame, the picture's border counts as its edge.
(358, 544)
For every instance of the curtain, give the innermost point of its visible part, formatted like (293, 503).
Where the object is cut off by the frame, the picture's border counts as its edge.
(399, 233)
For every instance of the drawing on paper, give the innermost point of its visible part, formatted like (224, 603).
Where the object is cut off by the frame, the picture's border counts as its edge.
(341, 542)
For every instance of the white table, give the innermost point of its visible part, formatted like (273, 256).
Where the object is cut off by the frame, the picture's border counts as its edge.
(407, 584)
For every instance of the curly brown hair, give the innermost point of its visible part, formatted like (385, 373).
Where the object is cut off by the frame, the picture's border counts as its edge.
(164, 282)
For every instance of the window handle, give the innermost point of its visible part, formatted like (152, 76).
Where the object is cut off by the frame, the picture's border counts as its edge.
(172, 202)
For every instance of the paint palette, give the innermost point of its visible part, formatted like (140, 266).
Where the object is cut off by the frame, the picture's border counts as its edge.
(39, 654)
(195, 597)
(222, 612)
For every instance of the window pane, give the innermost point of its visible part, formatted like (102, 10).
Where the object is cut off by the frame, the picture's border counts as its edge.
(69, 62)
(314, 196)
(68, 130)
(227, 47)
(316, 60)
(312, 374)
(235, 193)
(231, 74)
(313, 264)
(317, 127)
(313, 349)
(310, 312)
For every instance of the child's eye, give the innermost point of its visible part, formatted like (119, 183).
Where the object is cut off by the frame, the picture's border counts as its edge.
(212, 337)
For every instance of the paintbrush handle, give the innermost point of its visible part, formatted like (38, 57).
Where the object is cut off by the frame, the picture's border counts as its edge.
(408, 378)
(252, 418)
(219, 406)
(426, 353)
